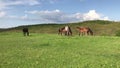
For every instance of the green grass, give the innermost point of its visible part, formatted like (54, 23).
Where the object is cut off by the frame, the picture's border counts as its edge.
(55, 51)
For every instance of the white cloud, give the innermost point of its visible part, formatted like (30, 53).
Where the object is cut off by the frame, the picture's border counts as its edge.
(24, 17)
(2, 14)
(105, 18)
(52, 16)
(12, 16)
(6, 3)
(31, 2)
(58, 16)
(91, 15)
(43, 12)
(2, 5)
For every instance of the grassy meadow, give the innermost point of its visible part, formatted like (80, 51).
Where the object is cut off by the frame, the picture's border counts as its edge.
(42, 50)
(45, 49)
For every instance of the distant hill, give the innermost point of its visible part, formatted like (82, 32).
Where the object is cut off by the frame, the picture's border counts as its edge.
(99, 27)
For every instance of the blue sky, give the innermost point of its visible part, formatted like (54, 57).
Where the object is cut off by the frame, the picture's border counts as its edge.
(26, 12)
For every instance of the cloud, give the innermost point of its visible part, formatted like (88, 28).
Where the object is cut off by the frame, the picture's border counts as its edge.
(43, 12)
(106, 18)
(93, 15)
(58, 16)
(2, 14)
(24, 17)
(55, 16)
(52, 1)
(7, 3)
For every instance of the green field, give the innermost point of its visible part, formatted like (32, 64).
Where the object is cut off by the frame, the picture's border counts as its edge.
(54, 51)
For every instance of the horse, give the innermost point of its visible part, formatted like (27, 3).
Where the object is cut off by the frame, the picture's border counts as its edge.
(25, 31)
(66, 30)
(84, 31)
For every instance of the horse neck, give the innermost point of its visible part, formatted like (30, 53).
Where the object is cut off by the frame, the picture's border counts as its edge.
(91, 32)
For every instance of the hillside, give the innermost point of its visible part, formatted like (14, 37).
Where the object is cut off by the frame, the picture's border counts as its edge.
(99, 27)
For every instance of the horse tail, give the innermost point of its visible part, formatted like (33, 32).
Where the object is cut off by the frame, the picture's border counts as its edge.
(59, 31)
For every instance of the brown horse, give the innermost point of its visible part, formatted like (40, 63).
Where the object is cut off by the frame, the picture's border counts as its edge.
(84, 31)
(66, 30)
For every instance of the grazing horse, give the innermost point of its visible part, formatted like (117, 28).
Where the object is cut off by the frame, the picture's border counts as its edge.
(25, 31)
(84, 31)
(66, 30)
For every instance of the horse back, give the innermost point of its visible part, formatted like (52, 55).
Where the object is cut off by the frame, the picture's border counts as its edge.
(25, 29)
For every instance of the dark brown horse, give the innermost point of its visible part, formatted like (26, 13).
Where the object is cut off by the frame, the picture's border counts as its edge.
(84, 31)
(65, 30)
(25, 32)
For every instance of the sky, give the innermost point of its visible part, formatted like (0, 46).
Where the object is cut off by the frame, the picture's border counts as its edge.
(15, 13)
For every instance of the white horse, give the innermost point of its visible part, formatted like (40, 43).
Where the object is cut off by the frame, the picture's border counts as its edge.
(68, 30)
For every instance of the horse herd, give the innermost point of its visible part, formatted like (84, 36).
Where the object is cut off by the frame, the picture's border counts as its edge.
(66, 31)
(81, 30)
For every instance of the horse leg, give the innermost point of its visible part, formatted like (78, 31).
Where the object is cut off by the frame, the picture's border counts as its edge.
(65, 33)
(24, 33)
(79, 33)
(61, 33)
(83, 33)
(27, 33)
(86, 33)
(68, 33)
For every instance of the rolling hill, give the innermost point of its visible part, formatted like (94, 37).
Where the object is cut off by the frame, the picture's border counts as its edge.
(99, 27)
